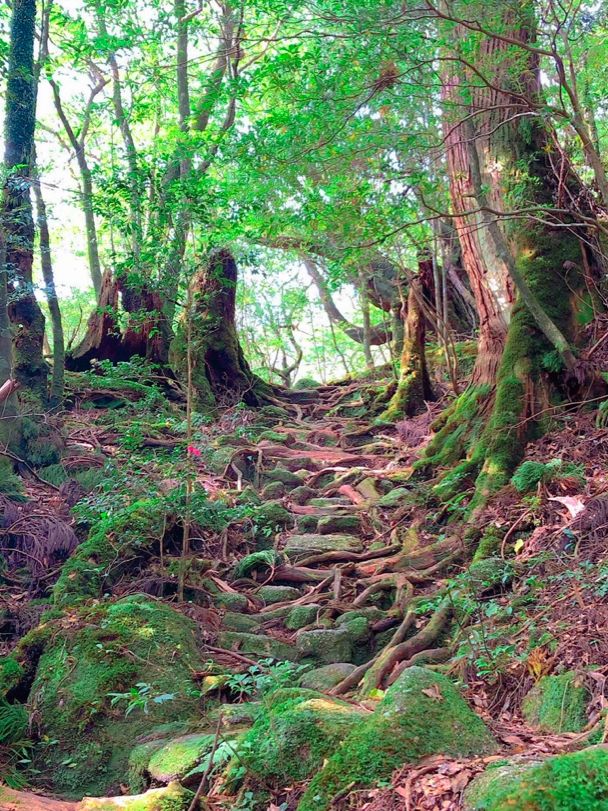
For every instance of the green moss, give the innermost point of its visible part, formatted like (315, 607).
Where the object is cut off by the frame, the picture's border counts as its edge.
(97, 652)
(170, 798)
(177, 757)
(557, 704)
(572, 782)
(265, 559)
(294, 735)
(421, 714)
(529, 474)
(101, 558)
(543, 259)
(302, 615)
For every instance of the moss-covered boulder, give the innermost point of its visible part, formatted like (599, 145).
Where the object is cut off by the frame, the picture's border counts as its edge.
(395, 497)
(242, 623)
(174, 759)
(301, 494)
(294, 735)
(258, 644)
(277, 594)
(326, 677)
(572, 782)
(231, 600)
(330, 524)
(327, 645)
(107, 675)
(557, 704)
(302, 615)
(299, 546)
(307, 523)
(286, 477)
(268, 519)
(421, 714)
(274, 490)
(168, 798)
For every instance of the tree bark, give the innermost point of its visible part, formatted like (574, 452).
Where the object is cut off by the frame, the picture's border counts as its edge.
(220, 375)
(57, 379)
(414, 385)
(30, 368)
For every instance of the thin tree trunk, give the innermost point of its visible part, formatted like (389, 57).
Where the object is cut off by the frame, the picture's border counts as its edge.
(57, 379)
(414, 385)
(78, 145)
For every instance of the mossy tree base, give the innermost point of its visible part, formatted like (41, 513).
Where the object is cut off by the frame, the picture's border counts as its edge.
(215, 362)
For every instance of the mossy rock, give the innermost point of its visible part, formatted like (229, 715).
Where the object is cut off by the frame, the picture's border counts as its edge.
(259, 645)
(357, 628)
(299, 546)
(489, 573)
(274, 490)
(268, 519)
(277, 594)
(302, 615)
(557, 704)
(326, 677)
(256, 561)
(325, 645)
(217, 459)
(572, 782)
(307, 523)
(292, 738)
(331, 524)
(168, 798)
(421, 714)
(301, 495)
(330, 502)
(276, 437)
(270, 414)
(233, 621)
(370, 613)
(286, 477)
(91, 655)
(233, 601)
(174, 759)
(395, 497)
(236, 715)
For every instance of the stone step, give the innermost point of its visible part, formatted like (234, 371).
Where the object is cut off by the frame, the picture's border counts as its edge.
(257, 645)
(330, 524)
(300, 546)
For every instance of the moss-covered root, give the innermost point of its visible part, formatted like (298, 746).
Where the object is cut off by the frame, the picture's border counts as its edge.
(403, 650)
(422, 714)
(530, 367)
(573, 782)
(457, 433)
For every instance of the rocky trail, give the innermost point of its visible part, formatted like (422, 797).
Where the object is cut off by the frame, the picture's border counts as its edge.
(309, 658)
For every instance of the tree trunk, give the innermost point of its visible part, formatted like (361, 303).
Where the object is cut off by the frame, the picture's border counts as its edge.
(220, 375)
(479, 258)
(57, 380)
(547, 260)
(30, 368)
(102, 339)
(414, 385)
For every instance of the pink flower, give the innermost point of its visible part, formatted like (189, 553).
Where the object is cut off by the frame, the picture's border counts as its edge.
(193, 450)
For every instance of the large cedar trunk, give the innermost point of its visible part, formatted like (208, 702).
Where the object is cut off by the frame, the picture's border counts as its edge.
(102, 340)
(487, 274)
(547, 260)
(206, 349)
(147, 334)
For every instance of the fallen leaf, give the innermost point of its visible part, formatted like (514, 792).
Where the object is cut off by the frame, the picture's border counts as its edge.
(573, 504)
(433, 692)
